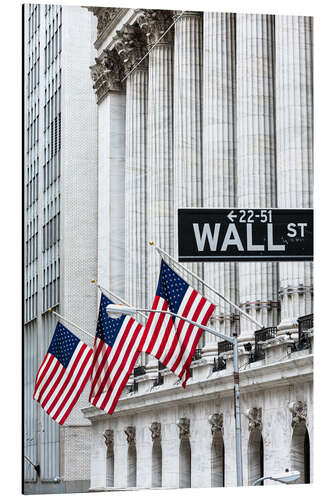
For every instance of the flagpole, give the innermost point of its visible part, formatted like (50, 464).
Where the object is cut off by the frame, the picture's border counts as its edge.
(71, 323)
(250, 318)
(118, 298)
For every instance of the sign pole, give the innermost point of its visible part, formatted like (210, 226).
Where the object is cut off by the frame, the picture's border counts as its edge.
(238, 429)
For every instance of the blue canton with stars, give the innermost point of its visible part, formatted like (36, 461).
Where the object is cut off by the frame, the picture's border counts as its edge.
(63, 344)
(171, 287)
(107, 328)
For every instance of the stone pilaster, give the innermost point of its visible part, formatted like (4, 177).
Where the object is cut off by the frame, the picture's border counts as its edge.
(107, 75)
(131, 47)
(294, 156)
(219, 108)
(256, 157)
(188, 179)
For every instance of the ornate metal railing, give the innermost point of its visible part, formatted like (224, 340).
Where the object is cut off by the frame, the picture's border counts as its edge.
(197, 354)
(133, 388)
(224, 346)
(305, 324)
(159, 380)
(139, 370)
(265, 334)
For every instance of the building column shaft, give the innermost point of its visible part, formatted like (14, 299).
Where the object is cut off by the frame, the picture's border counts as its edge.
(219, 152)
(187, 118)
(111, 189)
(256, 156)
(294, 143)
(135, 189)
(160, 160)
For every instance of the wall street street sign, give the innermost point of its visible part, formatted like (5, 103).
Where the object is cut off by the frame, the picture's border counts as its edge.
(234, 234)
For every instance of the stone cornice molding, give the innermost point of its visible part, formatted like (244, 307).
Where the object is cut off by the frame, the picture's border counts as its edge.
(154, 23)
(187, 13)
(216, 422)
(255, 418)
(299, 412)
(184, 427)
(130, 43)
(130, 435)
(107, 74)
(155, 429)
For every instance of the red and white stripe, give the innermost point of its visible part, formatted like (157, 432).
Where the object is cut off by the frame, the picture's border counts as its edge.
(112, 366)
(57, 388)
(172, 340)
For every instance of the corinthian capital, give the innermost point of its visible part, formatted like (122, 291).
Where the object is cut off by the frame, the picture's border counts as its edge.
(154, 23)
(107, 73)
(131, 46)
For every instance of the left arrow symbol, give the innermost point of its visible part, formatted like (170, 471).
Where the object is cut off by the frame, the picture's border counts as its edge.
(231, 216)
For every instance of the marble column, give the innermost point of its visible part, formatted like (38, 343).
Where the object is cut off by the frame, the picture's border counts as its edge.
(160, 208)
(294, 145)
(188, 180)
(256, 176)
(107, 74)
(160, 200)
(131, 47)
(219, 108)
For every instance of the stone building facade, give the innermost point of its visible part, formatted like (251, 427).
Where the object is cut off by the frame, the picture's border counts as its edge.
(129, 115)
(205, 110)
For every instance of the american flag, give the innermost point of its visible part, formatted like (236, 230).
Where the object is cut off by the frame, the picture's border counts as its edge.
(63, 374)
(115, 354)
(172, 340)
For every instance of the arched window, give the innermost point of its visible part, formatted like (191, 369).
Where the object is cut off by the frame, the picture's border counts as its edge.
(255, 456)
(217, 460)
(157, 464)
(185, 464)
(300, 452)
(131, 466)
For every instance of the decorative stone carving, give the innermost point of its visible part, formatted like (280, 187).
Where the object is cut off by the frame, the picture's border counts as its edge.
(130, 435)
(105, 16)
(216, 422)
(131, 46)
(154, 23)
(108, 436)
(299, 412)
(184, 427)
(107, 73)
(155, 429)
(255, 418)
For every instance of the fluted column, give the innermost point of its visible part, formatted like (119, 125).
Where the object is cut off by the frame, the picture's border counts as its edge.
(188, 179)
(160, 224)
(294, 144)
(131, 47)
(107, 74)
(160, 208)
(256, 156)
(219, 153)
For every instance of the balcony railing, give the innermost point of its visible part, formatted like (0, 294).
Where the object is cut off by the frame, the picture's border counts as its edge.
(265, 334)
(305, 325)
(139, 370)
(224, 346)
(133, 388)
(197, 354)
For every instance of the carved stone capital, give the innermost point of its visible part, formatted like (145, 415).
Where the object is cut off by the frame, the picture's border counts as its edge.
(184, 427)
(155, 429)
(299, 412)
(107, 73)
(255, 418)
(131, 46)
(105, 16)
(130, 435)
(108, 437)
(154, 23)
(216, 422)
